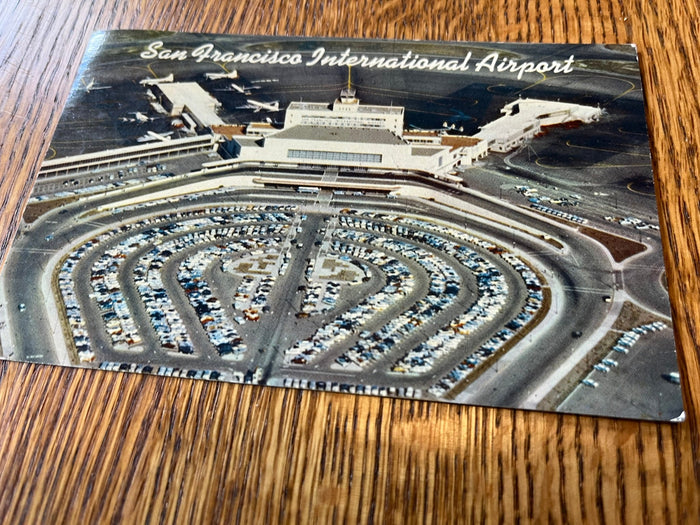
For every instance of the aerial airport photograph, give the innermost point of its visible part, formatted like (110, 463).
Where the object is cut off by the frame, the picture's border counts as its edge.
(471, 223)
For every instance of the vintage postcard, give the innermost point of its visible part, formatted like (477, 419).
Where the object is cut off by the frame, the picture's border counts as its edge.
(472, 223)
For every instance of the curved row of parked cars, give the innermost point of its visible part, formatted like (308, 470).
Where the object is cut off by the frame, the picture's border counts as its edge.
(400, 282)
(136, 236)
(216, 323)
(369, 229)
(443, 287)
(532, 306)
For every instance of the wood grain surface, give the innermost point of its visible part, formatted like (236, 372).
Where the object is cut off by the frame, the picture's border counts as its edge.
(89, 446)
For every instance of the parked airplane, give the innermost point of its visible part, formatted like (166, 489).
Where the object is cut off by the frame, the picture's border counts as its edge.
(151, 136)
(138, 117)
(216, 76)
(260, 106)
(245, 90)
(447, 125)
(154, 81)
(90, 86)
(141, 117)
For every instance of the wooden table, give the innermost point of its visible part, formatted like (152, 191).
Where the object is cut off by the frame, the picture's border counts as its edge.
(89, 446)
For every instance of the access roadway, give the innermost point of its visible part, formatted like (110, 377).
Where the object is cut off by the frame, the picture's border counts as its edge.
(579, 309)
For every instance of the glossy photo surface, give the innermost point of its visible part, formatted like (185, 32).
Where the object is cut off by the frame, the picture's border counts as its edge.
(465, 222)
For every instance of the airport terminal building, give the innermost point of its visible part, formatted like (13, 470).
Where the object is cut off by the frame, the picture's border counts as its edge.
(351, 134)
(345, 133)
(524, 118)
